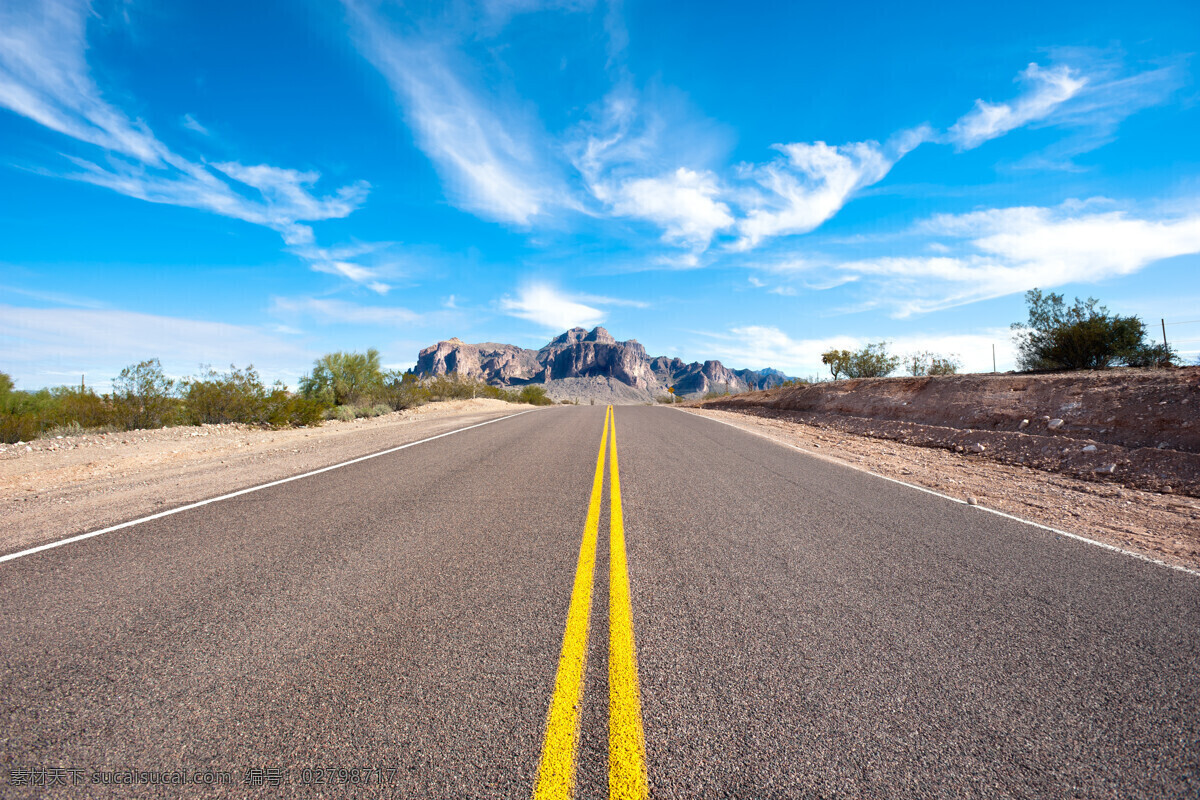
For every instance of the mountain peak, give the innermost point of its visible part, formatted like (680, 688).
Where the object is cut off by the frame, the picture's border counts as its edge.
(598, 334)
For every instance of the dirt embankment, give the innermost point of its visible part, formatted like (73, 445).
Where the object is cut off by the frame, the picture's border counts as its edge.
(1137, 428)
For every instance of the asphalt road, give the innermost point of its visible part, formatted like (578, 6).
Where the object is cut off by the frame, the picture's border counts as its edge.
(802, 630)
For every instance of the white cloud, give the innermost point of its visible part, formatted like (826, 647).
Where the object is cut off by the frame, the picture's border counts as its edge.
(191, 124)
(489, 157)
(814, 181)
(355, 272)
(43, 344)
(681, 203)
(756, 347)
(342, 261)
(610, 301)
(1047, 90)
(1011, 250)
(547, 306)
(330, 311)
(785, 291)
(44, 76)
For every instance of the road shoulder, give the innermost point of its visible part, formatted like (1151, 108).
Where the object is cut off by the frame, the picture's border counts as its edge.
(1160, 526)
(60, 488)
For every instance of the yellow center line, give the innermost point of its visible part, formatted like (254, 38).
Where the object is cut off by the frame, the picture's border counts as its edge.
(626, 739)
(556, 772)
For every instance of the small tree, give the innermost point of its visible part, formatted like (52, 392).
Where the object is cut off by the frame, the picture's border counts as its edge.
(343, 378)
(872, 361)
(1082, 336)
(838, 361)
(144, 395)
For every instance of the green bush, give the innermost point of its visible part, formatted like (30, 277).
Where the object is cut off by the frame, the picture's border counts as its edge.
(240, 396)
(143, 397)
(344, 378)
(235, 396)
(1082, 336)
(872, 361)
(283, 409)
(534, 395)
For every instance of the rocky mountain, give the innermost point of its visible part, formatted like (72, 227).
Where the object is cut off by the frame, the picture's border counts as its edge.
(589, 365)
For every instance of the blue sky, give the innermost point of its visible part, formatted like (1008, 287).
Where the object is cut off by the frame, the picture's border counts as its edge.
(207, 184)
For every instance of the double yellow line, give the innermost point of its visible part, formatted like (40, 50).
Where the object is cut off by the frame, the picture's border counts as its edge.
(626, 741)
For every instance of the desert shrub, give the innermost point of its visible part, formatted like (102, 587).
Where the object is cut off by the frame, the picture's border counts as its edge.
(872, 361)
(1081, 336)
(344, 378)
(452, 387)
(498, 393)
(234, 396)
(927, 363)
(80, 407)
(341, 413)
(1155, 354)
(143, 397)
(534, 395)
(368, 411)
(240, 396)
(401, 390)
(282, 409)
(18, 420)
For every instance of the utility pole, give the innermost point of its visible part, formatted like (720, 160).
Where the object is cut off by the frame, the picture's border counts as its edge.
(1164, 326)
(993, 358)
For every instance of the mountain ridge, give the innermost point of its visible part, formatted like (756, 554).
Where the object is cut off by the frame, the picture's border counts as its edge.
(583, 364)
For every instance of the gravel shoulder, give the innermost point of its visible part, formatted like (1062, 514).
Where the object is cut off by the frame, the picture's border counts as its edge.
(53, 488)
(1162, 526)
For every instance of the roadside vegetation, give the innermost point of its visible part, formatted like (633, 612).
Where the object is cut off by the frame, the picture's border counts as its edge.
(1083, 336)
(872, 361)
(343, 386)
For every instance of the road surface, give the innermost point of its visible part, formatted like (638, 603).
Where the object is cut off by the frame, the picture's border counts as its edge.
(791, 628)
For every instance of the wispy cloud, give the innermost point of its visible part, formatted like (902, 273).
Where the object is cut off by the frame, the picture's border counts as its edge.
(342, 261)
(550, 308)
(487, 153)
(604, 300)
(1088, 95)
(1047, 89)
(332, 311)
(44, 76)
(1005, 251)
(191, 124)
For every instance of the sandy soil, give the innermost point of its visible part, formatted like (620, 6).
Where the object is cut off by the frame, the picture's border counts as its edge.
(52, 488)
(1162, 526)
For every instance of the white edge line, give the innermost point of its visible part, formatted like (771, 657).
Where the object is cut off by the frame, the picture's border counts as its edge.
(1068, 534)
(189, 506)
